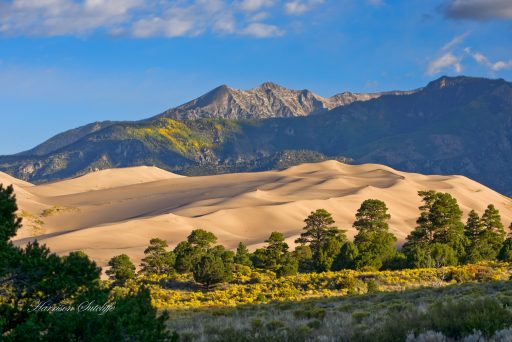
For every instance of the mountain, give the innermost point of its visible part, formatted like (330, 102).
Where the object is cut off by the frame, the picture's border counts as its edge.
(454, 125)
(268, 100)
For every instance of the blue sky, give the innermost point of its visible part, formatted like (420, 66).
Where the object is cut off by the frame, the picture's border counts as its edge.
(64, 63)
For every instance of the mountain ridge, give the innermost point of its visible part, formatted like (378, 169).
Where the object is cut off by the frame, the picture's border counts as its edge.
(453, 125)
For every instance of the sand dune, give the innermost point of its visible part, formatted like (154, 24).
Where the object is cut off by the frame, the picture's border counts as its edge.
(110, 212)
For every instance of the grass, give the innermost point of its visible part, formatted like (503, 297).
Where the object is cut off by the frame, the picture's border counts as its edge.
(426, 314)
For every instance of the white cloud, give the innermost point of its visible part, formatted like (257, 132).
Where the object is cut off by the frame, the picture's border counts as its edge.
(300, 6)
(137, 18)
(483, 60)
(255, 5)
(445, 61)
(260, 30)
(455, 41)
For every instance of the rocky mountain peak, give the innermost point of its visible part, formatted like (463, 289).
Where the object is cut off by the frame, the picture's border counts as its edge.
(268, 100)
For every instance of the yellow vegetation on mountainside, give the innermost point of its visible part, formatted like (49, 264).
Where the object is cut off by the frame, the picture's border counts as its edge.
(181, 138)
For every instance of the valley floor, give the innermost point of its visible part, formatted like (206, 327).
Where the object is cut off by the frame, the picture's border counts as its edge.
(414, 305)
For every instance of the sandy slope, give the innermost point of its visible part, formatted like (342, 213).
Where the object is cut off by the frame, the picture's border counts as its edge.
(117, 211)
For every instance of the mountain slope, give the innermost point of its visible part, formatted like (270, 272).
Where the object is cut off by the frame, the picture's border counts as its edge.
(235, 207)
(458, 125)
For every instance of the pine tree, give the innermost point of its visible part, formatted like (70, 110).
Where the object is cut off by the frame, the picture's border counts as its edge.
(188, 253)
(473, 230)
(121, 269)
(210, 270)
(323, 238)
(157, 259)
(242, 256)
(474, 226)
(494, 232)
(346, 259)
(33, 274)
(374, 242)
(9, 221)
(201, 239)
(439, 222)
(505, 253)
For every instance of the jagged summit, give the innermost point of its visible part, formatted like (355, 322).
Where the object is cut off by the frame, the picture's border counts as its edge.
(268, 100)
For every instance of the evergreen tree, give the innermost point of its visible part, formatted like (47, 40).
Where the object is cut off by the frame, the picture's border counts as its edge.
(9, 221)
(474, 226)
(210, 270)
(494, 232)
(157, 259)
(185, 257)
(439, 222)
(201, 239)
(289, 265)
(374, 242)
(323, 238)
(346, 259)
(242, 256)
(272, 255)
(473, 230)
(188, 253)
(442, 255)
(505, 253)
(34, 274)
(121, 269)
(304, 255)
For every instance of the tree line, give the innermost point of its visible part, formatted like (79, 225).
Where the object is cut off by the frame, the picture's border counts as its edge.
(439, 239)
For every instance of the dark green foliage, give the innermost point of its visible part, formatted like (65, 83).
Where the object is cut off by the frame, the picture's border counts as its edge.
(442, 255)
(201, 239)
(374, 242)
(32, 275)
(186, 257)
(304, 255)
(9, 222)
(346, 259)
(188, 253)
(494, 232)
(289, 265)
(211, 270)
(243, 257)
(121, 269)
(486, 235)
(324, 239)
(432, 255)
(439, 222)
(272, 255)
(505, 253)
(157, 259)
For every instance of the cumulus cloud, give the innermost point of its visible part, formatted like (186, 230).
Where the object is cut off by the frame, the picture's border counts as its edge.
(445, 61)
(492, 66)
(137, 18)
(299, 7)
(478, 9)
